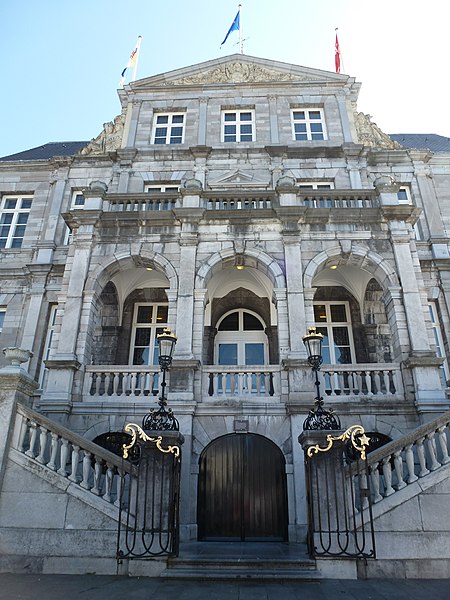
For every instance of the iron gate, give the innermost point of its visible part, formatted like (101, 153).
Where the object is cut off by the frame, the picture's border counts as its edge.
(149, 498)
(339, 498)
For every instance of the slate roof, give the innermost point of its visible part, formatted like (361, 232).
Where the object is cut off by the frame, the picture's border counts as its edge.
(422, 141)
(46, 151)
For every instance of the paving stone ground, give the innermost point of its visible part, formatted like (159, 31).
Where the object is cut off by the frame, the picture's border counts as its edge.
(106, 587)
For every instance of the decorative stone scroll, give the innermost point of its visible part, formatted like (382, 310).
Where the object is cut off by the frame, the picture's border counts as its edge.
(109, 140)
(370, 134)
(240, 72)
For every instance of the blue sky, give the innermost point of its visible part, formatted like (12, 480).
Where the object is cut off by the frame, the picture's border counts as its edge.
(61, 59)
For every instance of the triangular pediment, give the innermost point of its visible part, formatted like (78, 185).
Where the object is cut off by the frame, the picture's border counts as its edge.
(239, 69)
(238, 178)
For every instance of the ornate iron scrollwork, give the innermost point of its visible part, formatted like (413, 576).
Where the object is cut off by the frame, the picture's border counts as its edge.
(134, 430)
(355, 434)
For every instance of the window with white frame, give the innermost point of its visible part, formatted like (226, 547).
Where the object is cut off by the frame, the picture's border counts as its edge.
(47, 345)
(238, 125)
(404, 195)
(149, 320)
(2, 317)
(168, 128)
(308, 124)
(438, 340)
(164, 188)
(77, 199)
(332, 320)
(14, 213)
(315, 185)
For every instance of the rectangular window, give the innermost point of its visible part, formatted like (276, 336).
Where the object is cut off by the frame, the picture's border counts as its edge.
(308, 124)
(2, 318)
(77, 200)
(47, 345)
(14, 216)
(315, 185)
(439, 342)
(404, 195)
(168, 128)
(238, 126)
(161, 188)
(149, 321)
(332, 320)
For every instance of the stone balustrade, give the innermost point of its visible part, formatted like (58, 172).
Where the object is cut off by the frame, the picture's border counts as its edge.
(339, 199)
(239, 202)
(118, 381)
(230, 381)
(143, 202)
(71, 456)
(408, 459)
(380, 379)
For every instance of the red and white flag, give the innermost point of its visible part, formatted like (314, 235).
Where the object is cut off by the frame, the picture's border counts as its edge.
(337, 55)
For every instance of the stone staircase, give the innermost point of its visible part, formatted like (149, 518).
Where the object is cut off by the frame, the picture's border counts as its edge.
(249, 561)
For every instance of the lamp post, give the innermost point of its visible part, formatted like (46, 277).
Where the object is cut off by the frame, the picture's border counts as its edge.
(163, 419)
(318, 417)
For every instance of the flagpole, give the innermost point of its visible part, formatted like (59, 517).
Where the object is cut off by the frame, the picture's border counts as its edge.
(138, 47)
(241, 41)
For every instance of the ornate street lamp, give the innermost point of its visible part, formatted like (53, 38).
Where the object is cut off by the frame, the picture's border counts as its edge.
(318, 417)
(163, 419)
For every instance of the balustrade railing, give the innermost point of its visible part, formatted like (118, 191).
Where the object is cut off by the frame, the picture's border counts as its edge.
(408, 459)
(238, 203)
(339, 199)
(231, 381)
(121, 380)
(71, 456)
(380, 379)
(149, 202)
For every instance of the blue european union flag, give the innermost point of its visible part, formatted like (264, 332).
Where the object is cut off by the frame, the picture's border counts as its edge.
(234, 27)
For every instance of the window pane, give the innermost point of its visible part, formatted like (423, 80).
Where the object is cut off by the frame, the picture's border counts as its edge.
(340, 336)
(320, 314)
(6, 218)
(230, 323)
(142, 336)
(300, 127)
(144, 314)
(178, 118)
(16, 243)
(316, 127)
(11, 203)
(254, 354)
(252, 323)
(23, 218)
(178, 131)
(247, 116)
(161, 315)
(175, 140)
(229, 138)
(161, 132)
(19, 231)
(2, 319)
(314, 114)
(338, 313)
(317, 136)
(230, 116)
(160, 140)
(140, 356)
(301, 136)
(162, 119)
(230, 129)
(246, 138)
(343, 356)
(228, 354)
(246, 128)
(299, 115)
(26, 203)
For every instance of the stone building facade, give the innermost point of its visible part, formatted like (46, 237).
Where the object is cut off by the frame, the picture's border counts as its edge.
(238, 202)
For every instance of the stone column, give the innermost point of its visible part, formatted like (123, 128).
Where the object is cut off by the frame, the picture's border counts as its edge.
(16, 385)
(273, 119)
(131, 121)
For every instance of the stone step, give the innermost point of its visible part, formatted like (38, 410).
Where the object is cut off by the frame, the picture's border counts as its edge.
(242, 569)
(224, 573)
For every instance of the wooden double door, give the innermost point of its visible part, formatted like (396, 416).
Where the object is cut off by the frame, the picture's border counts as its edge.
(242, 490)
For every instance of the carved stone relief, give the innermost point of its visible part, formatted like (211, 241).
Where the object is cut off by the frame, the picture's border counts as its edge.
(370, 134)
(109, 140)
(238, 72)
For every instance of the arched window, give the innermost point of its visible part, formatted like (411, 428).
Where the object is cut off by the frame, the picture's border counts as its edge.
(241, 339)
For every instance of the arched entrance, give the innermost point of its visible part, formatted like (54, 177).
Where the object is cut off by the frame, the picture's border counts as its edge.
(242, 490)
